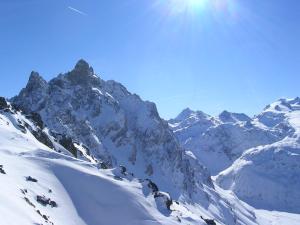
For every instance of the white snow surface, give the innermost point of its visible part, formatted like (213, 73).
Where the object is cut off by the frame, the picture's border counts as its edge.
(83, 193)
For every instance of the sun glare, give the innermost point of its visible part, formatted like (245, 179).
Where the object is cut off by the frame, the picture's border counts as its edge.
(187, 5)
(198, 6)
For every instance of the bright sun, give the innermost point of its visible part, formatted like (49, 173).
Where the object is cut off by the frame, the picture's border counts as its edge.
(199, 7)
(187, 5)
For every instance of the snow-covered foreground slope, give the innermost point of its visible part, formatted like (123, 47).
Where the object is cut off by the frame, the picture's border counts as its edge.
(267, 177)
(83, 194)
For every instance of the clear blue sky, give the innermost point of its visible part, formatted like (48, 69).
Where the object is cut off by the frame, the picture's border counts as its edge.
(237, 55)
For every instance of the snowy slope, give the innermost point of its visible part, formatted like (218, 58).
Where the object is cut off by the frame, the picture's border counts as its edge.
(86, 195)
(83, 193)
(267, 177)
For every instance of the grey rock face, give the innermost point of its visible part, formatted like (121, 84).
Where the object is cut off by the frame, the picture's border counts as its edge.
(3, 103)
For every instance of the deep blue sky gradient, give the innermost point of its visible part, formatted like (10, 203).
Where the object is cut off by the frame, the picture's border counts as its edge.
(239, 58)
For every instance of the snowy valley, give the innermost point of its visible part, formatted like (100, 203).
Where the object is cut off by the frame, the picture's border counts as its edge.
(81, 150)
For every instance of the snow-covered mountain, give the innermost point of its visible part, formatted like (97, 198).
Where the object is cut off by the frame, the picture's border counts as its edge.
(44, 183)
(260, 155)
(267, 176)
(218, 141)
(102, 123)
(81, 150)
(40, 185)
(116, 126)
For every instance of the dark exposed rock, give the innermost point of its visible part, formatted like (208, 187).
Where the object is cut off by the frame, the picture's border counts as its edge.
(35, 81)
(43, 138)
(24, 191)
(123, 170)
(152, 186)
(45, 217)
(45, 201)
(22, 128)
(39, 212)
(103, 165)
(37, 119)
(82, 74)
(53, 204)
(68, 144)
(2, 170)
(29, 202)
(209, 221)
(31, 179)
(168, 201)
(3, 103)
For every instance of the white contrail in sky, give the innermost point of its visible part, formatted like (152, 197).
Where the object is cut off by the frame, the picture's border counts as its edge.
(77, 11)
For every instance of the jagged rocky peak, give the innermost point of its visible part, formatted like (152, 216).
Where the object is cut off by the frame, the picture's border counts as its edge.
(184, 114)
(117, 126)
(35, 90)
(226, 116)
(189, 113)
(35, 81)
(82, 73)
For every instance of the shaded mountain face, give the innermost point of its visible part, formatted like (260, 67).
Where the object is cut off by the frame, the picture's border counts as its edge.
(117, 127)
